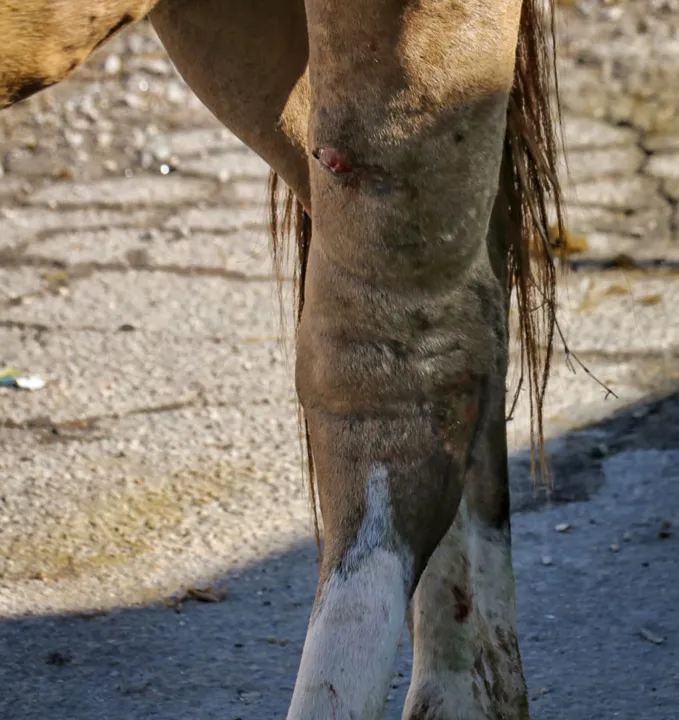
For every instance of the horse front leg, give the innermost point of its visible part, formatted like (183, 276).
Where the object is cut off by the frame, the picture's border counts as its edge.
(402, 341)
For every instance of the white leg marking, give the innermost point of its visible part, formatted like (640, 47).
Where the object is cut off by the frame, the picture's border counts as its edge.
(465, 663)
(355, 628)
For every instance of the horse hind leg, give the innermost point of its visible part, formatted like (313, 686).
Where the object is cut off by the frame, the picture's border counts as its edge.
(43, 41)
(467, 664)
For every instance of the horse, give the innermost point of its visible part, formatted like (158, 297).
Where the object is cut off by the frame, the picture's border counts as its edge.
(413, 147)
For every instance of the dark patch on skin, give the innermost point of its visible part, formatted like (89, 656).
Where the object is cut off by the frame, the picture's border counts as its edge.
(355, 421)
(398, 349)
(421, 320)
(463, 604)
(126, 19)
(459, 420)
(459, 400)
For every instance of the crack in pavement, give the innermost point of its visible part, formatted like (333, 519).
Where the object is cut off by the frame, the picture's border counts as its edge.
(91, 422)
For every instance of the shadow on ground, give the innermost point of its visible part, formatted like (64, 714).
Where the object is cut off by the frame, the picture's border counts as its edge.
(600, 634)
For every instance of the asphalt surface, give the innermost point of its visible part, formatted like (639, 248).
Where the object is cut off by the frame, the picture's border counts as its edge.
(155, 538)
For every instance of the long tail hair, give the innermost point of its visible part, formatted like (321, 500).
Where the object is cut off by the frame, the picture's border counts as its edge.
(531, 184)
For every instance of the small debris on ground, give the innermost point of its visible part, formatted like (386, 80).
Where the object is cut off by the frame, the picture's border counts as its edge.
(598, 451)
(624, 262)
(55, 277)
(138, 689)
(647, 634)
(563, 527)
(665, 530)
(568, 243)
(563, 244)
(58, 658)
(650, 300)
(205, 595)
(32, 382)
(275, 641)
(11, 377)
(616, 289)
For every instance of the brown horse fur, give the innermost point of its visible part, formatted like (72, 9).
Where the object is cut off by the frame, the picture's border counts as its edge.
(44, 41)
(414, 112)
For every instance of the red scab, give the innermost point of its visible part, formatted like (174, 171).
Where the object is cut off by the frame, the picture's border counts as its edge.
(463, 604)
(333, 160)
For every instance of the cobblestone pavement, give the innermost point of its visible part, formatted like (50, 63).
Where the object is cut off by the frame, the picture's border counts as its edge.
(162, 454)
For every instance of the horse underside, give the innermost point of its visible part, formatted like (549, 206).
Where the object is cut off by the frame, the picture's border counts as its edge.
(416, 142)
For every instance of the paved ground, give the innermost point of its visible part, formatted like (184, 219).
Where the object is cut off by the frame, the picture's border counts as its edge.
(162, 455)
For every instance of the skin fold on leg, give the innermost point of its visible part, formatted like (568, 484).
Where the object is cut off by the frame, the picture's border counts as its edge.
(402, 340)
